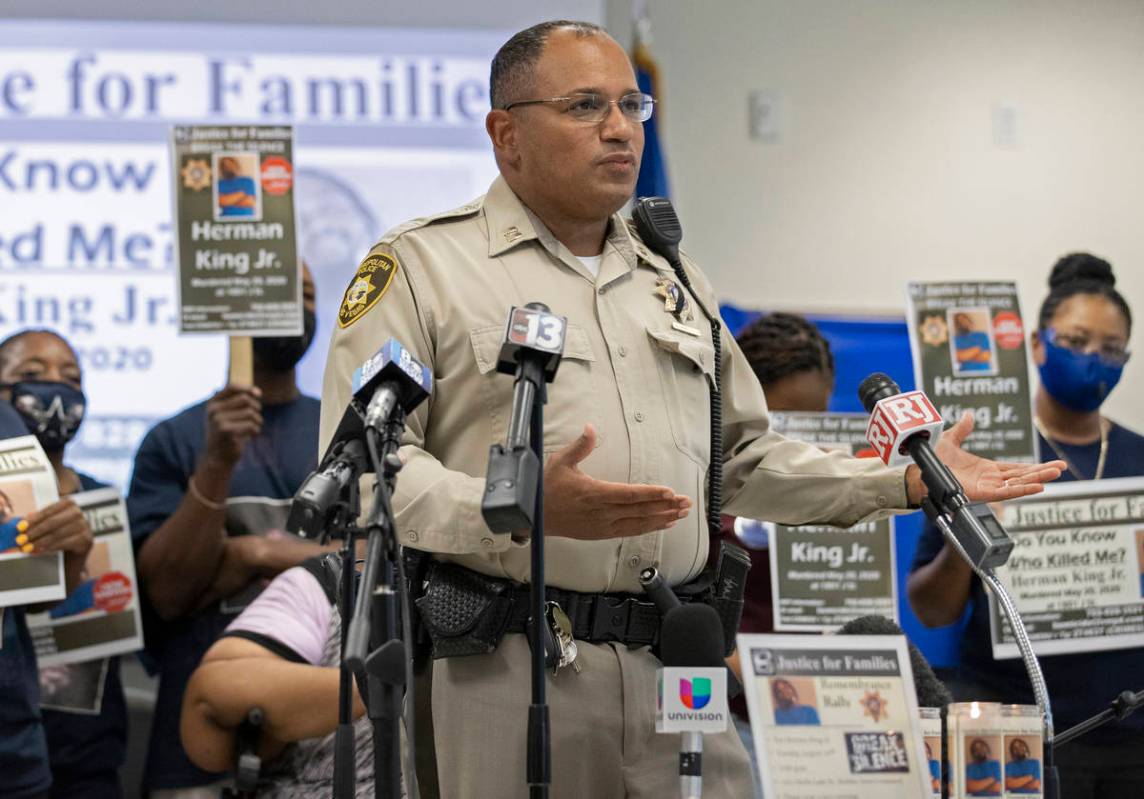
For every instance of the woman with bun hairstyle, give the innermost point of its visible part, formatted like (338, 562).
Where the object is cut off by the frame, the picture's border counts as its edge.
(1080, 348)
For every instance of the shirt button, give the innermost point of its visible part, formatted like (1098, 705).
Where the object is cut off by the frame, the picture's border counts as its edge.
(623, 351)
(639, 416)
(412, 535)
(634, 561)
(601, 290)
(882, 501)
(486, 542)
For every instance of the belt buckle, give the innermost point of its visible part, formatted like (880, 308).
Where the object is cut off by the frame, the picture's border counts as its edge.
(610, 618)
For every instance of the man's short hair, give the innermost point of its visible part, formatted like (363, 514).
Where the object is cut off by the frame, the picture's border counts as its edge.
(509, 78)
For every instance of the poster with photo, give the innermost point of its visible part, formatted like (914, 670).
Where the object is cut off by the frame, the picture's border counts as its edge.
(27, 483)
(101, 616)
(1076, 572)
(823, 577)
(970, 354)
(234, 209)
(834, 718)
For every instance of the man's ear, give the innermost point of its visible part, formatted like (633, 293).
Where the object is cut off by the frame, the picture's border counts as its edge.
(502, 130)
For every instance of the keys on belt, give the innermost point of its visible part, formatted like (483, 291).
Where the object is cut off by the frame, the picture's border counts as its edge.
(560, 648)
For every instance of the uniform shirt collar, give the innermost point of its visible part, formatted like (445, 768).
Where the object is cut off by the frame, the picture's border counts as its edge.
(511, 223)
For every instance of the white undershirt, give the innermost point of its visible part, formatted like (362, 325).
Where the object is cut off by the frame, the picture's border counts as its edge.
(592, 262)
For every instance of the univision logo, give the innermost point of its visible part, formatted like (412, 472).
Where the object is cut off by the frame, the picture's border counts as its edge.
(695, 694)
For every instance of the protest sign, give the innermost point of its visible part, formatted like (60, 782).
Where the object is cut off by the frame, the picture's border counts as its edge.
(234, 209)
(1077, 568)
(823, 577)
(27, 483)
(834, 718)
(970, 354)
(101, 616)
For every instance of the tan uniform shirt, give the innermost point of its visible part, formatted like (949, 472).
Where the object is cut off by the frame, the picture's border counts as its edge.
(629, 367)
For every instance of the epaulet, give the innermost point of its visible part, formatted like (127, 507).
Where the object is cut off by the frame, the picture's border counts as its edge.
(467, 210)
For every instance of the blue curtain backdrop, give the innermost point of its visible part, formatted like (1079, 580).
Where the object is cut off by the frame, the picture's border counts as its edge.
(861, 347)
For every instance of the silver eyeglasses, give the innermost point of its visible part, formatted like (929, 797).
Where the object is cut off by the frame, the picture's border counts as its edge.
(1112, 353)
(594, 108)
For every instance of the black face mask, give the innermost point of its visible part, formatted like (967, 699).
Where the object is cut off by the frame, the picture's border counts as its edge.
(51, 411)
(282, 353)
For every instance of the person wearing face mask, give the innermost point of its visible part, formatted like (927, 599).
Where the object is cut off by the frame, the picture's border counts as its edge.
(40, 376)
(208, 501)
(1080, 349)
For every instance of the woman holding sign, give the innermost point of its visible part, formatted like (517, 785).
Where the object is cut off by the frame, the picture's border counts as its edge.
(40, 375)
(1080, 349)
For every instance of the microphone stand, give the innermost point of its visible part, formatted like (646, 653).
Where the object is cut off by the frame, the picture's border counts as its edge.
(1118, 709)
(515, 499)
(988, 576)
(373, 650)
(342, 524)
(539, 743)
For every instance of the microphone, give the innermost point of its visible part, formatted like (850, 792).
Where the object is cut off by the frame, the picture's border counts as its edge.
(931, 691)
(692, 685)
(391, 378)
(345, 461)
(901, 427)
(533, 344)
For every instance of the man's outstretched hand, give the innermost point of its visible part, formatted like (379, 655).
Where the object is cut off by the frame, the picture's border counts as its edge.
(984, 480)
(579, 506)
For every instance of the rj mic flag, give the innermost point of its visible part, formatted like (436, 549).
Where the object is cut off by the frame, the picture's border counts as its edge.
(653, 171)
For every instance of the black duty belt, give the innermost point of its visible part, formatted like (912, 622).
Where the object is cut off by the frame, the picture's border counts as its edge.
(596, 618)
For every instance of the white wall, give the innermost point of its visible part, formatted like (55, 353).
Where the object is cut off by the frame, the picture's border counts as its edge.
(886, 168)
(503, 14)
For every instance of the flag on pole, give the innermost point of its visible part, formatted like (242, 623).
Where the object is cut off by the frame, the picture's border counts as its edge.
(653, 170)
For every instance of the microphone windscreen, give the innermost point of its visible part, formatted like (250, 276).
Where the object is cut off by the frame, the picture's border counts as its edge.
(930, 690)
(876, 387)
(691, 637)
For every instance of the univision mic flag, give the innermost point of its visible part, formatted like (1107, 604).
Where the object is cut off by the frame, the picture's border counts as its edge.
(691, 699)
(653, 170)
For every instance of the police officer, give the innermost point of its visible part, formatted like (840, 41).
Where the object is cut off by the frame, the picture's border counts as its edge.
(626, 427)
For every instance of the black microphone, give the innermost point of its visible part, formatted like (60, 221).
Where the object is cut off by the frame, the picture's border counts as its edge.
(691, 637)
(904, 422)
(533, 344)
(315, 500)
(931, 691)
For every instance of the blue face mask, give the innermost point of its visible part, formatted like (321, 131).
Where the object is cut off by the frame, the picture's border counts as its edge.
(1080, 381)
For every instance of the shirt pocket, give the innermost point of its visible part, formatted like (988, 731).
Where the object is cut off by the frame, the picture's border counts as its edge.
(687, 372)
(570, 395)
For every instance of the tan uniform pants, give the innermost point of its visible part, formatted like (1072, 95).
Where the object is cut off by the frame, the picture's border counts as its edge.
(602, 720)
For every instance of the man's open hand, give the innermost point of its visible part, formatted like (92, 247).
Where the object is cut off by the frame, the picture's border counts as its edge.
(579, 506)
(985, 480)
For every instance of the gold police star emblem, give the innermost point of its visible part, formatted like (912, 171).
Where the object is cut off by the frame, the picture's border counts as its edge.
(369, 285)
(874, 705)
(934, 331)
(674, 299)
(196, 174)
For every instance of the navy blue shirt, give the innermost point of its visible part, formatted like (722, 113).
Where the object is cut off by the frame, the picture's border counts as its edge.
(82, 746)
(23, 750)
(1075, 695)
(272, 468)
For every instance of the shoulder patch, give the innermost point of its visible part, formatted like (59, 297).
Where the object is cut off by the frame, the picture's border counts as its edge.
(369, 285)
